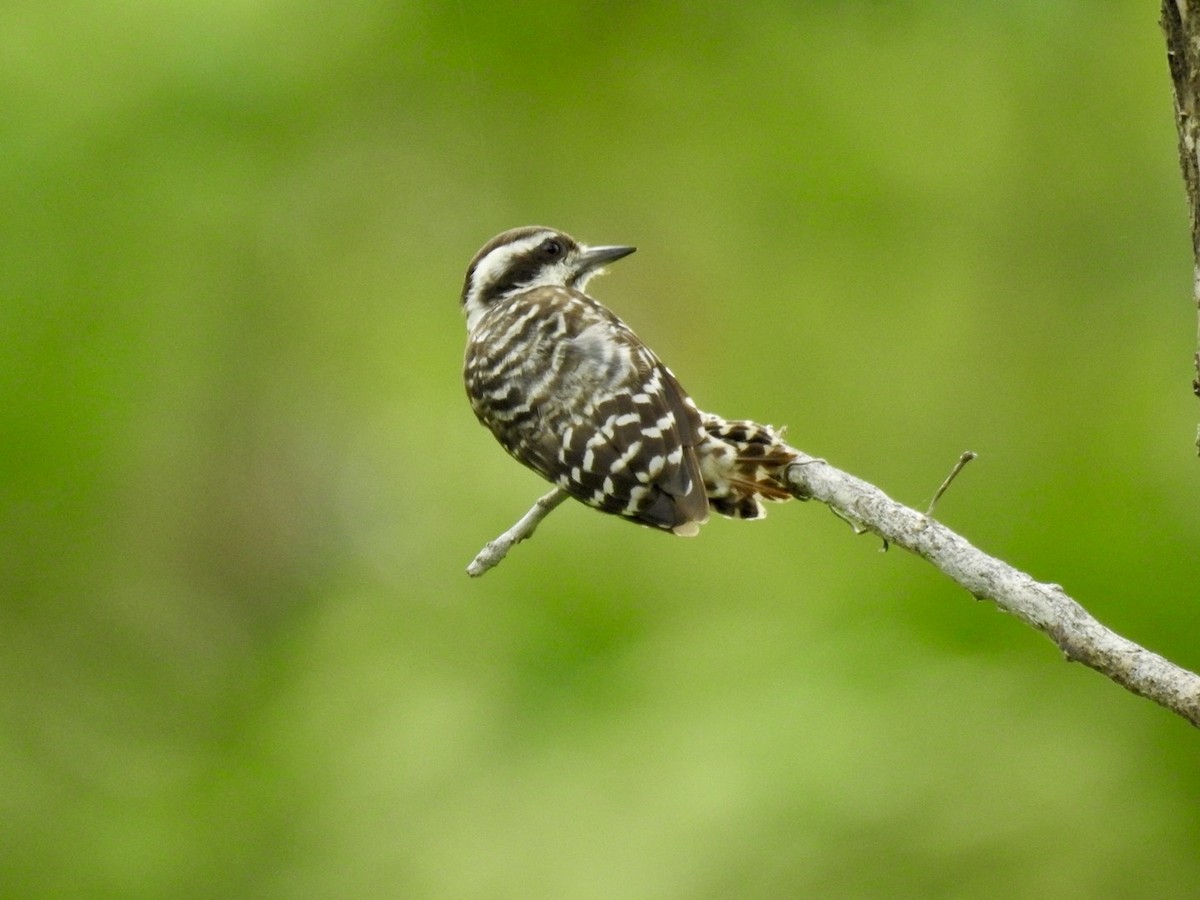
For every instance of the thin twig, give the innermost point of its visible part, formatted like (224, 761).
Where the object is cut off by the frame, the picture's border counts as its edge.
(958, 467)
(496, 550)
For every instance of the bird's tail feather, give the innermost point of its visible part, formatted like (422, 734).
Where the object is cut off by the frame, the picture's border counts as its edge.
(743, 464)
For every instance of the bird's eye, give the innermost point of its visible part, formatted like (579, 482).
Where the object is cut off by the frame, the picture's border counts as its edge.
(552, 247)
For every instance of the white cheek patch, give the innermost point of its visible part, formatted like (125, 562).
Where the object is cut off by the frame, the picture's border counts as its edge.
(551, 276)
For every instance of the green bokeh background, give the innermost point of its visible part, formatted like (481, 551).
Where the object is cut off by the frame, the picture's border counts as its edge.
(238, 653)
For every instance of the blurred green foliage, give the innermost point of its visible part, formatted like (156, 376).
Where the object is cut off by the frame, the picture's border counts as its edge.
(239, 655)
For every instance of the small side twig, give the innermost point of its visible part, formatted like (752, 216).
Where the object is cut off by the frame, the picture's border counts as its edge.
(494, 551)
(958, 467)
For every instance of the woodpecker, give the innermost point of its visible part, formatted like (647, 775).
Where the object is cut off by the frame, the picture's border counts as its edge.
(571, 392)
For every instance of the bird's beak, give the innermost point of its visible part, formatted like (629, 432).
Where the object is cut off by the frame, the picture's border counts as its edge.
(595, 257)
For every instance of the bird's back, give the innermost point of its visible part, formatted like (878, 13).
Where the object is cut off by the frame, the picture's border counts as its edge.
(570, 391)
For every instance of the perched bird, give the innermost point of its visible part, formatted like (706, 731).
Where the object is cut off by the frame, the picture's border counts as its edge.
(570, 391)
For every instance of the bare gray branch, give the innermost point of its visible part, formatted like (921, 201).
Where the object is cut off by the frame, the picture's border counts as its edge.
(1044, 606)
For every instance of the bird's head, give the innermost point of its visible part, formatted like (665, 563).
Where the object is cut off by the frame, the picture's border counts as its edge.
(524, 258)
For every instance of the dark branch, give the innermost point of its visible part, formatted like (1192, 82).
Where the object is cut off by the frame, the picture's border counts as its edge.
(1181, 28)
